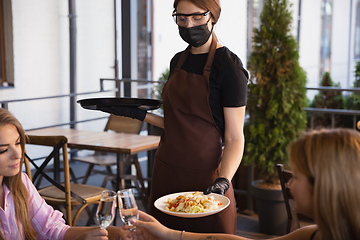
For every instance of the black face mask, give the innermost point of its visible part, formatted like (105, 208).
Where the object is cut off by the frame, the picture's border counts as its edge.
(195, 36)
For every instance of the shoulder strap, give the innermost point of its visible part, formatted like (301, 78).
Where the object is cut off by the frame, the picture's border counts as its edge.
(183, 57)
(210, 58)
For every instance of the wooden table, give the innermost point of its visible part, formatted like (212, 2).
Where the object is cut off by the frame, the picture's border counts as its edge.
(122, 144)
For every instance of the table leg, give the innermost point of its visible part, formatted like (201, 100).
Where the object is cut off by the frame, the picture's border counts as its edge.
(120, 182)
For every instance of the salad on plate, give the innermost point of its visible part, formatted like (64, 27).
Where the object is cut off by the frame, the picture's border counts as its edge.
(193, 203)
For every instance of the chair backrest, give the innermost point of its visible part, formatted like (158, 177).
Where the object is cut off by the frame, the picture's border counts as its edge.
(59, 144)
(123, 124)
(284, 176)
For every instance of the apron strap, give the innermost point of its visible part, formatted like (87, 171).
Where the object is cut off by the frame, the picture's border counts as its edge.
(183, 57)
(210, 58)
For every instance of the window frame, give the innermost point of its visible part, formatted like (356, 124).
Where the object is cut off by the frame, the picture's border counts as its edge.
(255, 8)
(357, 31)
(2, 46)
(326, 31)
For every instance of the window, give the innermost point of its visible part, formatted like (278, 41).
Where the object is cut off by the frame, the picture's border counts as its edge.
(136, 46)
(3, 81)
(254, 11)
(6, 45)
(325, 48)
(357, 31)
(144, 11)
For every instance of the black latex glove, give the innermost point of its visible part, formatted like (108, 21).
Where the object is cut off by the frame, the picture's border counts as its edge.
(133, 112)
(220, 186)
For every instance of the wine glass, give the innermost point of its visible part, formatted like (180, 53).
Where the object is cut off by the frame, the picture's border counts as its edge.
(127, 207)
(106, 209)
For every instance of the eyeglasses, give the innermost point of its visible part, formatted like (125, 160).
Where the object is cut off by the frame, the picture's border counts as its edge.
(196, 18)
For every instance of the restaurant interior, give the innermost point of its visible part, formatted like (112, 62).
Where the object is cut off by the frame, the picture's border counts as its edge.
(110, 152)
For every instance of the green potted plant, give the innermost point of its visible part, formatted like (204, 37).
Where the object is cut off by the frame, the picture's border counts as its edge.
(276, 101)
(328, 99)
(157, 94)
(157, 91)
(352, 101)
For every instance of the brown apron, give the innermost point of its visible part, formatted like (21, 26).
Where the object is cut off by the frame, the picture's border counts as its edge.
(190, 150)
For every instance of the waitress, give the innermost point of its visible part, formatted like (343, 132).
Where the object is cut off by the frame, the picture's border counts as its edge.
(204, 107)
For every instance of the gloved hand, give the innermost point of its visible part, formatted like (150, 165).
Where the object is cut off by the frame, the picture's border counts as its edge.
(133, 112)
(220, 186)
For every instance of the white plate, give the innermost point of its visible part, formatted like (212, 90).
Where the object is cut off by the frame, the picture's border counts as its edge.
(161, 204)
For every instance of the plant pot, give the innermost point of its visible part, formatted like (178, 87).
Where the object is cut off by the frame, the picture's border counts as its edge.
(270, 208)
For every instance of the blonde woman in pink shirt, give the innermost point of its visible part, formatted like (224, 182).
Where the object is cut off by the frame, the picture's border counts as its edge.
(23, 213)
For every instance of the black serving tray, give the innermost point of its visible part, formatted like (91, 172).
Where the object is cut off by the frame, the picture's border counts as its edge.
(142, 103)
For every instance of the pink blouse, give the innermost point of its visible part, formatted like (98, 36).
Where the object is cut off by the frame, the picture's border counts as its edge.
(46, 221)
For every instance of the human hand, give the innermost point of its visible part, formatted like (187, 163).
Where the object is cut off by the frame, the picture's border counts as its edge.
(133, 112)
(150, 229)
(116, 233)
(95, 234)
(220, 186)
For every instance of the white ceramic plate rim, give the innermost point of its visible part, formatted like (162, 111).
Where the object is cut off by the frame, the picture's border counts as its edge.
(161, 203)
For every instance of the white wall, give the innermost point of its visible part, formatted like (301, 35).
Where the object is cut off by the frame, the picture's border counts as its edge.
(232, 27)
(166, 39)
(310, 34)
(41, 57)
(340, 43)
(36, 60)
(96, 53)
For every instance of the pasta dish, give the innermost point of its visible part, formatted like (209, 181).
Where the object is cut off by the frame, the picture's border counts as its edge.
(193, 203)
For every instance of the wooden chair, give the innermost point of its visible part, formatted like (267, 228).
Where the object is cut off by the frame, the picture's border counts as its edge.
(293, 220)
(59, 193)
(123, 125)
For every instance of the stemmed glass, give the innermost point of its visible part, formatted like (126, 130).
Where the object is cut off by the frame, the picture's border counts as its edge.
(106, 209)
(127, 207)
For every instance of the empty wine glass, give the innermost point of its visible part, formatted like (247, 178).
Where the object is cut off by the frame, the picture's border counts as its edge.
(127, 207)
(106, 209)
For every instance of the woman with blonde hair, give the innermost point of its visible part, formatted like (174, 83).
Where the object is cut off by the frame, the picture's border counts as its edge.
(330, 160)
(326, 175)
(23, 213)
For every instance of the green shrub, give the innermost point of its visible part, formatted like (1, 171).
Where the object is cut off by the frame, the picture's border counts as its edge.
(157, 91)
(276, 92)
(352, 101)
(328, 99)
